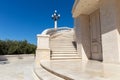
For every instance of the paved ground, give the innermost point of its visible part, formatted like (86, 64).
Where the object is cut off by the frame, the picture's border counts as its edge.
(20, 68)
(84, 70)
(17, 68)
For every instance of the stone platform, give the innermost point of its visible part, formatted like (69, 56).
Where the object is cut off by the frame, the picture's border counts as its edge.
(81, 70)
(16, 67)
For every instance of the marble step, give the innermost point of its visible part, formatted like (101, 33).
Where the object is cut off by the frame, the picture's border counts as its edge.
(65, 39)
(67, 42)
(63, 47)
(62, 36)
(65, 55)
(62, 52)
(62, 76)
(59, 37)
(58, 44)
(61, 41)
(64, 58)
(40, 73)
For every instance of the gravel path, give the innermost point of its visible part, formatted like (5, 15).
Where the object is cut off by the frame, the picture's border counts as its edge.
(17, 69)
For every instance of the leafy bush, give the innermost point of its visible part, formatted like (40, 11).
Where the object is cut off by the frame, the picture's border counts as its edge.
(9, 47)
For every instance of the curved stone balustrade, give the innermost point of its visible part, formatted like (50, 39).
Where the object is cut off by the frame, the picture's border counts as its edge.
(43, 43)
(51, 31)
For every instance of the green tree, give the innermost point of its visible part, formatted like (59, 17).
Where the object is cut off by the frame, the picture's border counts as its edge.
(8, 47)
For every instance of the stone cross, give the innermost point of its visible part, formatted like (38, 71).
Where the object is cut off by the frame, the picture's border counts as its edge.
(55, 17)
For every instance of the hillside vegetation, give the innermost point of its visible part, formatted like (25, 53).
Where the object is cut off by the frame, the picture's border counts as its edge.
(9, 47)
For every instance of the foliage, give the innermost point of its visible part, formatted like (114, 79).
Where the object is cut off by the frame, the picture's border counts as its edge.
(9, 47)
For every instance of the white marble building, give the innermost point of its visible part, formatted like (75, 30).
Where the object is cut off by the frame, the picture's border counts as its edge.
(97, 29)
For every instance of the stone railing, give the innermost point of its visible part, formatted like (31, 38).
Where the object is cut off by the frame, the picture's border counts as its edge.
(43, 44)
(43, 48)
(52, 30)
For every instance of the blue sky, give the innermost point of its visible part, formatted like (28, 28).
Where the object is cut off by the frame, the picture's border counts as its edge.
(24, 19)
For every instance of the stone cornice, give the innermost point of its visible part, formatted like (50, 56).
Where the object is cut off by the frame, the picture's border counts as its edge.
(84, 7)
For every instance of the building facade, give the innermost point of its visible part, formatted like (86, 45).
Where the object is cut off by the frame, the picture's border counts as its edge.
(97, 29)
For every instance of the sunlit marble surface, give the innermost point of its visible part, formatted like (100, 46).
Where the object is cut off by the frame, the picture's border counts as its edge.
(84, 70)
(17, 68)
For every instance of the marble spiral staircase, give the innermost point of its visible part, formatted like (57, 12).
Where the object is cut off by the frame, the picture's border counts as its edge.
(62, 47)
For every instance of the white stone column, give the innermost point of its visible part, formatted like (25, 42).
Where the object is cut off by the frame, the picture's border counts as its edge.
(82, 32)
(78, 35)
(43, 41)
(43, 49)
(110, 30)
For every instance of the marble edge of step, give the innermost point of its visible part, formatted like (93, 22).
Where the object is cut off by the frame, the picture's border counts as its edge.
(41, 76)
(54, 72)
(35, 75)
